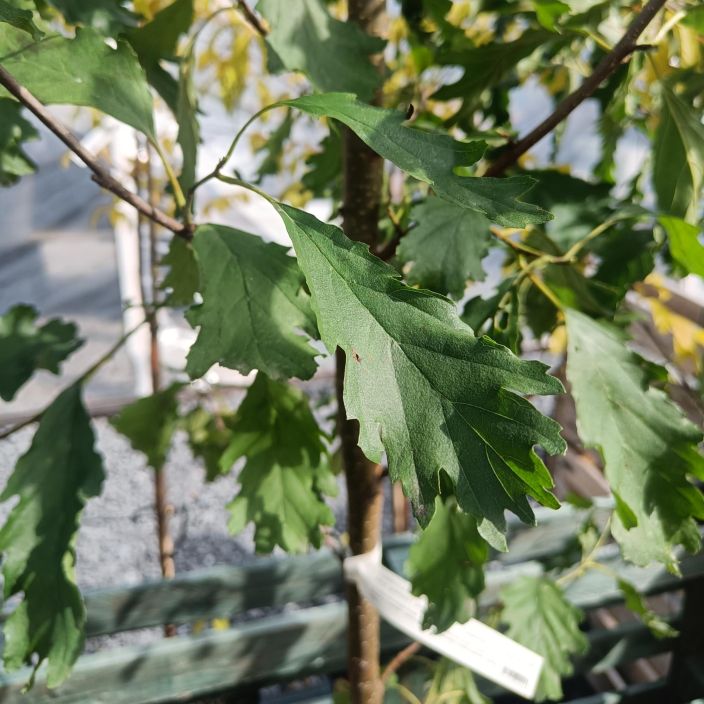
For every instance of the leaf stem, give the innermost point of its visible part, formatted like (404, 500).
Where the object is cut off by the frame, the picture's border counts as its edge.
(217, 171)
(588, 562)
(175, 185)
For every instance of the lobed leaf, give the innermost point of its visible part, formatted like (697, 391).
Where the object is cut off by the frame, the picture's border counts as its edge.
(658, 626)
(423, 387)
(446, 564)
(648, 446)
(432, 158)
(81, 71)
(539, 616)
(149, 424)
(26, 347)
(253, 302)
(52, 482)
(286, 473)
(333, 54)
(445, 249)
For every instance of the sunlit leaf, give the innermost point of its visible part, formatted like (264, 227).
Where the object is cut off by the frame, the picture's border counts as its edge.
(648, 446)
(430, 157)
(423, 388)
(82, 71)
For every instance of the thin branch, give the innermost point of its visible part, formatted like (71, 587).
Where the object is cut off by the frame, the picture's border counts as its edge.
(626, 46)
(400, 659)
(104, 358)
(101, 175)
(249, 15)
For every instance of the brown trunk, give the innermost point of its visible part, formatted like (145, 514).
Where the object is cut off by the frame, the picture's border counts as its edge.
(364, 509)
(363, 175)
(161, 507)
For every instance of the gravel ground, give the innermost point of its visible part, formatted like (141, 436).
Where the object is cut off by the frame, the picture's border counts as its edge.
(117, 538)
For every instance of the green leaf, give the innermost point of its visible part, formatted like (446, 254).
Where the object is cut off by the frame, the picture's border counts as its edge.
(678, 157)
(209, 435)
(14, 130)
(539, 616)
(81, 71)
(577, 206)
(453, 684)
(286, 473)
(333, 54)
(253, 302)
(648, 446)
(155, 42)
(685, 247)
(694, 18)
(26, 347)
(446, 564)
(149, 424)
(188, 125)
(432, 158)
(22, 19)
(109, 17)
(636, 603)
(158, 38)
(446, 247)
(486, 65)
(423, 388)
(324, 176)
(182, 280)
(52, 482)
(549, 12)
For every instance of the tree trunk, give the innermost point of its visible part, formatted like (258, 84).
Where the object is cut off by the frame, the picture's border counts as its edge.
(363, 176)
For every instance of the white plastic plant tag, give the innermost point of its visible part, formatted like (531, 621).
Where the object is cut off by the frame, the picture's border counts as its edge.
(473, 644)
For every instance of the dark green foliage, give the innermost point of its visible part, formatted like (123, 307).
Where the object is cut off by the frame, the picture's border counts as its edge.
(26, 347)
(52, 481)
(253, 326)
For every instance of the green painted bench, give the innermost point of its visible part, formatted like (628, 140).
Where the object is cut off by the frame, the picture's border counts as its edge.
(289, 642)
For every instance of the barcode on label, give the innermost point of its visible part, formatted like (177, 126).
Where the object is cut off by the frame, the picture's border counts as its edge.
(517, 676)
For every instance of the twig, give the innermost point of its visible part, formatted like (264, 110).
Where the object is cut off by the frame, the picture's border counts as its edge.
(80, 380)
(101, 174)
(400, 659)
(587, 562)
(626, 46)
(249, 15)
